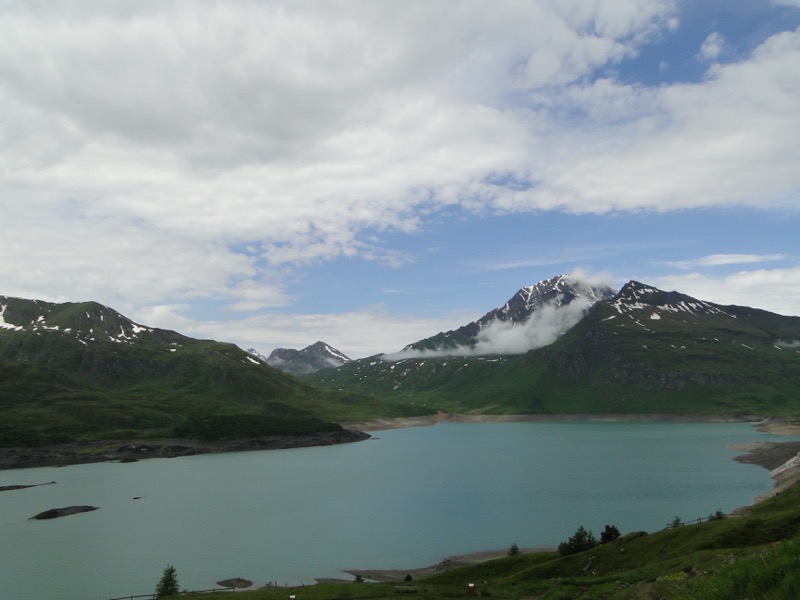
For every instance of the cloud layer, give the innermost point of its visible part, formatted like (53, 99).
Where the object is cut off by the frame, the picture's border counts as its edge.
(159, 153)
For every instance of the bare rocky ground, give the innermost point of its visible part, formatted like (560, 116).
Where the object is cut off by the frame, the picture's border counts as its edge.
(781, 458)
(429, 420)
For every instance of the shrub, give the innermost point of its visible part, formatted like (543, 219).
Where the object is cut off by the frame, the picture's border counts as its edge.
(581, 540)
(610, 533)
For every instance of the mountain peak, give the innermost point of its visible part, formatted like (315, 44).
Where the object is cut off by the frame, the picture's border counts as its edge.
(560, 290)
(310, 359)
(541, 299)
(638, 296)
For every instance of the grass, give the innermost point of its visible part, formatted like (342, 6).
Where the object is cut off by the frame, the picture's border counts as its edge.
(752, 556)
(72, 392)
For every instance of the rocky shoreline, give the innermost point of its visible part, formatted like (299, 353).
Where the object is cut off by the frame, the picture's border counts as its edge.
(764, 423)
(74, 453)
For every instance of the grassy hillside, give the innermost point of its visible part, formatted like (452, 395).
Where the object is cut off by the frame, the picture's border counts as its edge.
(77, 371)
(727, 558)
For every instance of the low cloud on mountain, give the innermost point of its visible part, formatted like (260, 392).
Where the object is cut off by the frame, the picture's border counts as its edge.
(549, 322)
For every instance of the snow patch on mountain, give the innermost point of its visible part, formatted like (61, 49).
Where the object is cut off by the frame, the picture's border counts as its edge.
(111, 325)
(3, 324)
(636, 296)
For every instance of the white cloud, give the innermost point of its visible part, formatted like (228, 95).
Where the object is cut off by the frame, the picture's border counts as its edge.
(712, 47)
(159, 137)
(357, 333)
(157, 153)
(717, 260)
(544, 327)
(728, 140)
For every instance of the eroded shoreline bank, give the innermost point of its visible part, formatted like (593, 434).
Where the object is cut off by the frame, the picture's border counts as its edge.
(766, 424)
(130, 450)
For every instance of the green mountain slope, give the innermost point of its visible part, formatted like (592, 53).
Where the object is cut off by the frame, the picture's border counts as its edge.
(77, 370)
(642, 351)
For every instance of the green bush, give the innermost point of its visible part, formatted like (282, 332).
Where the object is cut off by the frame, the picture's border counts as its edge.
(581, 540)
(610, 533)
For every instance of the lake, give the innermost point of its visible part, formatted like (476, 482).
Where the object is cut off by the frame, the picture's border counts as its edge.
(406, 499)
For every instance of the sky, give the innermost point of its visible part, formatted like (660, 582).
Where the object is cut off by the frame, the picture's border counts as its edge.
(369, 173)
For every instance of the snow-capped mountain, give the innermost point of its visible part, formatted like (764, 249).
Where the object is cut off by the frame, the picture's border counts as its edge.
(310, 359)
(86, 322)
(546, 310)
(636, 296)
(83, 370)
(559, 291)
(642, 350)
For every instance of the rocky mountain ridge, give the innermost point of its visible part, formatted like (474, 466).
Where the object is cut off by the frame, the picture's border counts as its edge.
(557, 293)
(316, 357)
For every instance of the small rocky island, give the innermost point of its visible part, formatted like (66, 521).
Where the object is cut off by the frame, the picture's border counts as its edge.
(65, 511)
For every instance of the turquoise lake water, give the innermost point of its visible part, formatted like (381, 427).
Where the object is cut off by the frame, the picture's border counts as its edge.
(406, 499)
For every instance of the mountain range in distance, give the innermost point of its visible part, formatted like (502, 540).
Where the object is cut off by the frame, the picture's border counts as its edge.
(528, 319)
(565, 346)
(310, 359)
(76, 371)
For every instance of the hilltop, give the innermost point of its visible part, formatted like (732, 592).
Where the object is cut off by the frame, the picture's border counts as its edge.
(313, 358)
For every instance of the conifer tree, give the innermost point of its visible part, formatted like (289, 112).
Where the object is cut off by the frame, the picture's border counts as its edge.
(168, 585)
